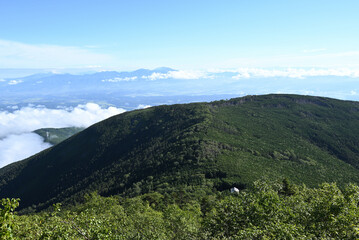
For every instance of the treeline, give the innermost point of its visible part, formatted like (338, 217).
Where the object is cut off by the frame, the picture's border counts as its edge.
(266, 211)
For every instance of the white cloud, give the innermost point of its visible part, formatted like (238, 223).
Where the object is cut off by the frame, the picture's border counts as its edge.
(16, 140)
(14, 82)
(2, 80)
(16, 147)
(12, 107)
(21, 55)
(242, 73)
(181, 74)
(142, 106)
(28, 119)
(118, 79)
(294, 73)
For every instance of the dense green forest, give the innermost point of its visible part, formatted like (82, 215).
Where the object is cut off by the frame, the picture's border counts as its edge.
(198, 147)
(264, 211)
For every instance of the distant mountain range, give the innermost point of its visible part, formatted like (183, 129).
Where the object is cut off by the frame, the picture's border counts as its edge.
(125, 89)
(57, 84)
(199, 146)
(113, 87)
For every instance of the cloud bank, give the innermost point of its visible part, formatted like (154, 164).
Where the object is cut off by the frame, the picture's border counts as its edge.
(28, 119)
(294, 73)
(143, 106)
(118, 79)
(180, 74)
(17, 147)
(16, 140)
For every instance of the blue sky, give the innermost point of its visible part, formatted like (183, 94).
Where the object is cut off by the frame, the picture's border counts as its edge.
(183, 34)
(262, 46)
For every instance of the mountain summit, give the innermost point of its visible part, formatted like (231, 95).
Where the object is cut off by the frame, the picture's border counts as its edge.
(199, 146)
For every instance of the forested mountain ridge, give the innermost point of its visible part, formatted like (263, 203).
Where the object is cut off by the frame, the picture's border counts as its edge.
(196, 147)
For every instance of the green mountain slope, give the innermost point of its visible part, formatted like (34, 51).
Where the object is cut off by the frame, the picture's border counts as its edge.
(57, 135)
(196, 147)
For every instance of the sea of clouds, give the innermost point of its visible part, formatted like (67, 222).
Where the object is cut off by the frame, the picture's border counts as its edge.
(17, 141)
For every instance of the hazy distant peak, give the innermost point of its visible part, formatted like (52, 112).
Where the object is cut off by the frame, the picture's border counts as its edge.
(34, 76)
(163, 70)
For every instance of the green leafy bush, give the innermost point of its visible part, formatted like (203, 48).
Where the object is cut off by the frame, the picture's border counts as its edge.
(260, 212)
(7, 224)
